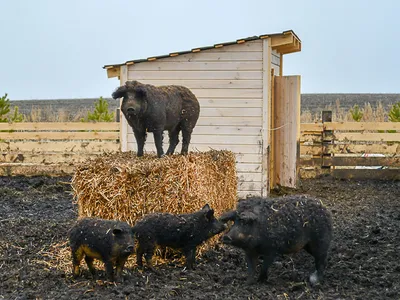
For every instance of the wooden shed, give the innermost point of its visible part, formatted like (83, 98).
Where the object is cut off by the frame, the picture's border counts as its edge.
(247, 105)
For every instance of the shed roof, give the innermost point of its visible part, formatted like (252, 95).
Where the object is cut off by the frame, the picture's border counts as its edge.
(284, 42)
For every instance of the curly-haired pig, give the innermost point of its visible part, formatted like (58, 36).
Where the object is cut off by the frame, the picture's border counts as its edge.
(184, 232)
(107, 240)
(269, 227)
(149, 108)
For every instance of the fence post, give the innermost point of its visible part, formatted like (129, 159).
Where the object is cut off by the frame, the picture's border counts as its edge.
(117, 115)
(326, 137)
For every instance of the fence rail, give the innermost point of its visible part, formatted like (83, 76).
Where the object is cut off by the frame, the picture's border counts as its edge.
(345, 150)
(51, 147)
(351, 149)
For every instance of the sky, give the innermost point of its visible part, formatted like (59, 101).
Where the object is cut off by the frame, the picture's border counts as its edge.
(56, 49)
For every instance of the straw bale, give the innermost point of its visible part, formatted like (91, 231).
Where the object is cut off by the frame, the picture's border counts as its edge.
(122, 186)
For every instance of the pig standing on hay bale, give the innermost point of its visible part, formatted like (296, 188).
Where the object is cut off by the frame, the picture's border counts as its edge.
(148, 108)
(110, 241)
(185, 231)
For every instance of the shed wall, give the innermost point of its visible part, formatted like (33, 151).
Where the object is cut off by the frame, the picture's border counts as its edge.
(228, 82)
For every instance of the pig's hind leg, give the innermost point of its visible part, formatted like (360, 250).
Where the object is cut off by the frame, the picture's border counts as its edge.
(320, 253)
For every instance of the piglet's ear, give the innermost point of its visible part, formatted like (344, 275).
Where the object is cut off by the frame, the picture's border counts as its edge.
(209, 214)
(206, 207)
(228, 216)
(117, 231)
(140, 92)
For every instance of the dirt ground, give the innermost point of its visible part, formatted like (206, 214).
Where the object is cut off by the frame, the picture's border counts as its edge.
(36, 213)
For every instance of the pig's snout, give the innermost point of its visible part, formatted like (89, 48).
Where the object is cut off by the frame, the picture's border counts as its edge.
(129, 249)
(130, 110)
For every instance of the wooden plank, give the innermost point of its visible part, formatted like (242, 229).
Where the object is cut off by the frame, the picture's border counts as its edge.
(364, 148)
(229, 103)
(248, 177)
(59, 146)
(226, 130)
(248, 149)
(62, 135)
(354, 126)
(230, 121)
(311, 138)
(56, 126)
(47, 158)
(113, 72)
(208, 84)
(211, 139)
(311, 150)
(361, 174)
(123, 121)
(249, 168)
(310, 161)
(207, 56)
(251, 46)
(266, 117)
(275, 60)
(162, 65)
(228, 93)
(311, 127)
(244, 194)
(367, 137)
(248, 158)
(362, 161)
(195, 75)
(250, 186)
(230, 112)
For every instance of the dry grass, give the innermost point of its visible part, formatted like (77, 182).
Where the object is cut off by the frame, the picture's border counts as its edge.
(339, 114)
(124, 187)
(49, 114)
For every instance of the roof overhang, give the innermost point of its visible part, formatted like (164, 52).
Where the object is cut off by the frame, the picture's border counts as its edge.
(284, 43)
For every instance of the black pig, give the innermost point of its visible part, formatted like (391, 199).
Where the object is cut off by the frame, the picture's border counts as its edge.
(273, 226)
(109, 241)
(185, 232)
(148, 108)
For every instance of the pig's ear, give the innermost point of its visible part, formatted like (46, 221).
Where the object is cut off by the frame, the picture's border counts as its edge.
(206, 207)
(119, 92)
(140, 92)
(117, 231)
(248, 216)
(209, 214)
(228, 216)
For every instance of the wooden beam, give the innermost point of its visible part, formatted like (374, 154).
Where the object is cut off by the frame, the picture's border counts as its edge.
(384, 174)
(266, 115)
(113, 72)
(281, 40)
(281, 65)
(123, 124)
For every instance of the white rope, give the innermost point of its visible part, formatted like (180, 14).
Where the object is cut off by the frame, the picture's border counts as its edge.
(272, 129)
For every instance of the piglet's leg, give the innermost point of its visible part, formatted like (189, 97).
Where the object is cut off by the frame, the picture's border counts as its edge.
(109, 269)
(190, 255)
(251, 259)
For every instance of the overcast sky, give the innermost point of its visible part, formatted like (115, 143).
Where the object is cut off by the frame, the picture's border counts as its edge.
(56, 49)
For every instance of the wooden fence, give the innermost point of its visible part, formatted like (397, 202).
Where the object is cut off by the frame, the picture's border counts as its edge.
(350, 150)
(53, 148)
(345, 150)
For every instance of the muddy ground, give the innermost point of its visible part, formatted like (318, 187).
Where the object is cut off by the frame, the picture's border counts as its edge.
(36, 212)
